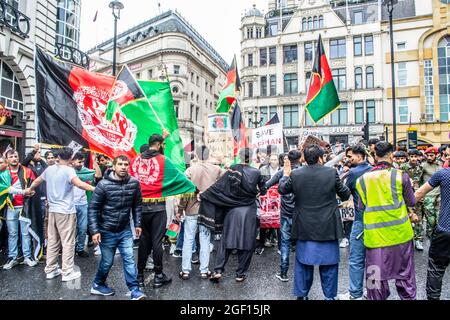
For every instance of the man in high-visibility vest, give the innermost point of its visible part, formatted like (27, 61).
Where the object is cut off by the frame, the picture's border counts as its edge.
(385, 193)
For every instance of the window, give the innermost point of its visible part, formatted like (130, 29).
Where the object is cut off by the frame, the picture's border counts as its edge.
(263, 86)
(175, 90)
(273, 29)
(250, 60)
(197, 114)
(368, 45)
(272, 112)
(337, 48)
(307, 81)
(290, 54)
(150, 73)
(250, 89)
(272, 55)
(357, 46)
(359, 112)
(315, 23)
(340, 79)
(403, 110)
(198, 98)
(263, 57)
(249, 33)
(290, 83)
(304, 25)
(191, 112)
(138, 75)
(10, 91)
(369, 77)
(273, 85)
(429, 87)
(310, 23)
(258, 33)
(176, 69)
(198, 81)
(176, 105)
(402, 74)
(401, 45)
(444, 78)
(211, 88)
(290, 116)
(358, 78)
(206, 86)
(340, 115)
(321, 22)
(358, 17)
(263, 114)
(308, 51)
(370, 107)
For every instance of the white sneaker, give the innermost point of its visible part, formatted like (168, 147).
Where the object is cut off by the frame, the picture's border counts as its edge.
(71, 276)
(30, 262)
(344, 243)
(97, 251)
(347, 296)
(55, 273)
(419, 245)
(172, 248)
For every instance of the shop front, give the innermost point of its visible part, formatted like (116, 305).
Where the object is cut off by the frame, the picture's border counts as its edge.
(12, 130)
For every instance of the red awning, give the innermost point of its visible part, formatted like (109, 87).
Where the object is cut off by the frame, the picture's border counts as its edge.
(11, 133)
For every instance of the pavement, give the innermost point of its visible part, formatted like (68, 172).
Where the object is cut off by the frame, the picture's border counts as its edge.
(29, 283)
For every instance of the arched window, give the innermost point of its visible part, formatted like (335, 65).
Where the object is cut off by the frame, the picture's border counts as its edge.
(316, 23)
(444, 78)
(10, 92)
(310, 23)
(321, 22)
(358, 78)
(369, 77)
(175, 90)
(304, 25)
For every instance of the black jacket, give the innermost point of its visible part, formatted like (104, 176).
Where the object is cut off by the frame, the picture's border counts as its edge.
(38, 167)
(287, 200)
(150, 207)
(112, 200)
(316, 216)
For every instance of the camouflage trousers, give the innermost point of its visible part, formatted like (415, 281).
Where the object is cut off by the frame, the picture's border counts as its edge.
(427, 210)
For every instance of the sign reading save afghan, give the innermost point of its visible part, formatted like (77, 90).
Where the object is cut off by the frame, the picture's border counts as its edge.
(271, 135)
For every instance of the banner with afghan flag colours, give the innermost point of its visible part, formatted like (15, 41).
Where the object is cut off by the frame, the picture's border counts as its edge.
(228, 94)
(5, 186)
(101, 113)
(322, 95)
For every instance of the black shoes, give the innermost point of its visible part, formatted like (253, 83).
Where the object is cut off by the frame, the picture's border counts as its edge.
(282, 276)
(160, 280)
(82, 254)
(195, 259)
(141, 280)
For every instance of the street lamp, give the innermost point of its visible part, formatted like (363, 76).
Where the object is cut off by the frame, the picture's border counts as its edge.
(255, 123)
(390, 7)
(116, 6)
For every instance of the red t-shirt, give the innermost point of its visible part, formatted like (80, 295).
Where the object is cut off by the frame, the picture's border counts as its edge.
(18, 198)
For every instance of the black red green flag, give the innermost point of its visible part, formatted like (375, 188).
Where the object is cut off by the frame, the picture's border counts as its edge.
(240, 138)
(322, 95)
(228, 94)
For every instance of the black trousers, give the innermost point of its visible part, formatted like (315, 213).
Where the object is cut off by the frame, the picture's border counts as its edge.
(153, 230)
(438, 261)
(244, 259)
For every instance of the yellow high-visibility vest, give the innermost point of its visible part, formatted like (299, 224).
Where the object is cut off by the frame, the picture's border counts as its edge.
(386, 220)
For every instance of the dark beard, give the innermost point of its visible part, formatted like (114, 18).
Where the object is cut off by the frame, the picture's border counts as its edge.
(161, 150)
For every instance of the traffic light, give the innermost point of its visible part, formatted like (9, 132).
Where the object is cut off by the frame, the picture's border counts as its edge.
(366, 131)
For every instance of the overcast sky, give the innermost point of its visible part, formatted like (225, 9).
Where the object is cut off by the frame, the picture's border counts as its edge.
(218, 21)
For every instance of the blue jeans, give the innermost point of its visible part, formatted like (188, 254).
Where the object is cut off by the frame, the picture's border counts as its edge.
(190, 229)
(81, 226)
(110, 241)
(286, 226)
(357, 260)
(12, 222)
(180, 239)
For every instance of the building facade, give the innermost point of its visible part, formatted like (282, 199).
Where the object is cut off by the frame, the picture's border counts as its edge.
(278, 52)
(422, 72)
(168, 46)
(23, 24)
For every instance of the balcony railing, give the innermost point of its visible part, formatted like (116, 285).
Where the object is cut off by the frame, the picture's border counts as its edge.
(73, 55)
(15, 20)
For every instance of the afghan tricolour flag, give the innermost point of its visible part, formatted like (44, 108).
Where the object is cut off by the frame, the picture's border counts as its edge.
(159, 178)
(240, 138)
(228, 94)
(102, 113)
(322, 95)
